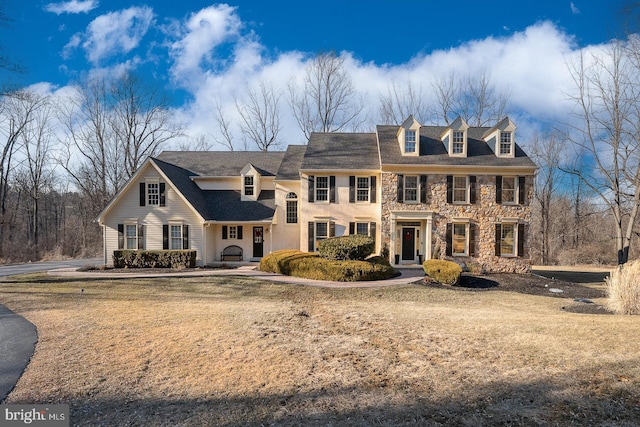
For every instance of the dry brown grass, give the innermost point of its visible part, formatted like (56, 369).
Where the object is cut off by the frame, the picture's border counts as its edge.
(237, 351)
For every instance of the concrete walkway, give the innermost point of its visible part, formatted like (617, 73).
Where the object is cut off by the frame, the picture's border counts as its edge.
(407, 275)
(18, 339)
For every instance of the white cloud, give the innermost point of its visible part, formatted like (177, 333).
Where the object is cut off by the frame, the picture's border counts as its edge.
(199, 38)
(72, 6)
(574, 8)
(112, 34)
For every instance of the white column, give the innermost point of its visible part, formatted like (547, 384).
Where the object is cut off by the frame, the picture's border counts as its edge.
(428, 238)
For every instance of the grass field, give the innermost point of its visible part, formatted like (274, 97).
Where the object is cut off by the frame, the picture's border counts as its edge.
(239, 351)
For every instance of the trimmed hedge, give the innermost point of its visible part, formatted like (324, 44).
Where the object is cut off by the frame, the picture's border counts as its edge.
(154, 259)
(312, 266)
(445, 272)
(352, 247)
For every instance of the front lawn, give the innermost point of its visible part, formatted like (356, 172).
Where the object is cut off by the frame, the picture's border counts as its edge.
(239, 351)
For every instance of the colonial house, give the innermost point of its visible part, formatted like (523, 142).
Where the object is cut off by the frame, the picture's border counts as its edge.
(456, 192)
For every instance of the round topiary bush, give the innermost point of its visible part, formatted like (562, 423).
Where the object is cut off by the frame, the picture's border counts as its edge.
(445, 272)
(353, 247)
(623, 288)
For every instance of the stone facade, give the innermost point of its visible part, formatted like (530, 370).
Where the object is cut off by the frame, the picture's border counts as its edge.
(485, 214)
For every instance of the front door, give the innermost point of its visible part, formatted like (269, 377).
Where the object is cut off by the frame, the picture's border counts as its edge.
(408, 243)
(258, 240)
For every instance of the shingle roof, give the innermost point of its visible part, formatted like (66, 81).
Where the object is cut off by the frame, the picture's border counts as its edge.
(218, 205)
(341, 151)
(433, 152)
(290, 166)
(224, 163)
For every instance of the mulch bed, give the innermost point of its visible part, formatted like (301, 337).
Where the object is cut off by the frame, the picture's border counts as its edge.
(580, 295)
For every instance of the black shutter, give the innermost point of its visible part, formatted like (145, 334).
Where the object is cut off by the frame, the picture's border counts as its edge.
(311, 181)
(165, 236)
(423, 188)
(120, 236)
(312, 227)
(140, 236)
(472, 239)
(332, 189)
(225, 232)
(521, 239)
(372, 233)
(498, 189)
(332, 228)
(472, 189)
(449, 189)
(143, 193)
(522, 194)
(498, 239)
(352, 189)
(352, 228)
(163, 200)
(372, 190)
(185, 237)
(449, 239)
(239, 232)
(400, 188)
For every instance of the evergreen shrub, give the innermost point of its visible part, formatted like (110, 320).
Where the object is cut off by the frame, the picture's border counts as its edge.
(352, 247)
(445, 272)
(154, 259)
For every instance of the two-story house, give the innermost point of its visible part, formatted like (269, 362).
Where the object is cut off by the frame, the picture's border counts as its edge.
(455, 192)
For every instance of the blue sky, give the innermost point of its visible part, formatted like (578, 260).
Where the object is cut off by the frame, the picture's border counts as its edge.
(201, 52)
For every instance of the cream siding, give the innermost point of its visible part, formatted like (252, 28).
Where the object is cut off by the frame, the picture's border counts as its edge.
(128, 208)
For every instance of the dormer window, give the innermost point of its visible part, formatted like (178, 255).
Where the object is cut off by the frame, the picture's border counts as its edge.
(410, 141)
(458, 142)
(248, 186)
(505, 143)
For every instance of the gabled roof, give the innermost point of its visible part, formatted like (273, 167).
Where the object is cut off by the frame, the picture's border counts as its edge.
(224, 163)
(433, 152)
(290, 167)
(342, 151)
(218, 205)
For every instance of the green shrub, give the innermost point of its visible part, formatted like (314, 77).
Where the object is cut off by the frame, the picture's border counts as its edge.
(352, 247)
(623, 288)
(445, 272)
(312, 266)
(154, 259)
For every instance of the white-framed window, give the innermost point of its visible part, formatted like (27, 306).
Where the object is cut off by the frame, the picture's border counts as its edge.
(458, 142)
(362, 228)
(459, 242)
(460, 189)
(292, 208)
(233, 232)
(322, 189)
(322, 232)
(508, 244)
(131, 233)
(509, 189)
(410, 141)
(505, 143)
(362, 188)
(248, 186)
(175, 240)
(153, 193)
(411, 188)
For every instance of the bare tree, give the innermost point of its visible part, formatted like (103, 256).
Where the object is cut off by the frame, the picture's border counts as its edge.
(475, 98)
(198, 143)
(398, 103)
(140, 121)
(260, 115)
(37, 174)
(224, 136)
(607, 130)
(327, 101)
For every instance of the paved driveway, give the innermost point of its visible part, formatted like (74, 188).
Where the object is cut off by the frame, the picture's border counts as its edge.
(576, 274)
(18, 339)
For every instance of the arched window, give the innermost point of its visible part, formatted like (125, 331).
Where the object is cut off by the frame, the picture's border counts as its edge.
(292, 208)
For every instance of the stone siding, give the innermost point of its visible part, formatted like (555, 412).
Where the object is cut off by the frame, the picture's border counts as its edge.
(485, 213)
